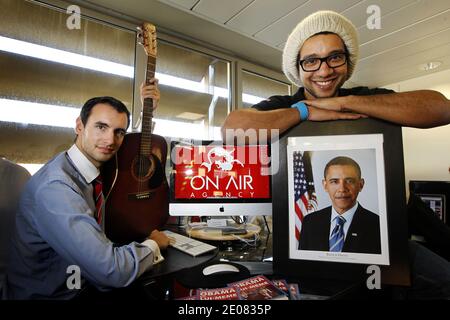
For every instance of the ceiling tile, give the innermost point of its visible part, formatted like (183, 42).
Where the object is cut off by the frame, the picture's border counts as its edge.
(403, 18)
(404, 68)
(278, 32)
(261, 13)
(219, 10)
(415, 33)
(358, 13)
(187, 4)
(395, 55)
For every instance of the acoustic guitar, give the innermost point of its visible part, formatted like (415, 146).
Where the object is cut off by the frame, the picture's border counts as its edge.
(138, 202)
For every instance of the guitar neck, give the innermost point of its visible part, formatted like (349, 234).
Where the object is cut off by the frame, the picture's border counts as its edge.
(147, 112)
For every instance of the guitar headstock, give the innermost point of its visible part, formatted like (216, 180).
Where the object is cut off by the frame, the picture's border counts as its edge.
(147, 38)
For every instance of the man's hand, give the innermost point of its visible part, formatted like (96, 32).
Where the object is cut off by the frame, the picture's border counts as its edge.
(151, 91)
(160, 238)
(332, 104)
(323, 109)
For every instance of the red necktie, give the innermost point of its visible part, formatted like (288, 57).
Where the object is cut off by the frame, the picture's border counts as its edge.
(98, 197)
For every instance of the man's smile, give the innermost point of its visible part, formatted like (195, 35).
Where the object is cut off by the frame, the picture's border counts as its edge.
(325, 84)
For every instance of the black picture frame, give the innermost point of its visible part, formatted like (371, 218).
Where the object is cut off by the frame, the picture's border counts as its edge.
(398, 271)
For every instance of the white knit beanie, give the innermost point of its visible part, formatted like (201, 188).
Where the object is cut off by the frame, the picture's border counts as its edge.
(320, 21)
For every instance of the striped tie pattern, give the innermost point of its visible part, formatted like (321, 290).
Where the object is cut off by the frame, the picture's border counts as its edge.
(337, 236)
(98, 197)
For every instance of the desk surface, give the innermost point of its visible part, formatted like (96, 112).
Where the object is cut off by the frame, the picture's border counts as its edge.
(254, 258)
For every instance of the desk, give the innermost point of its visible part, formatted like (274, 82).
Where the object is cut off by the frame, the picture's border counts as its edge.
(257, 260)
(175, 260)
(160, 278)
(310, 289)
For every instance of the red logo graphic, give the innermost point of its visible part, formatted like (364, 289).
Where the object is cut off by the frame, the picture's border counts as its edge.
(221, 172)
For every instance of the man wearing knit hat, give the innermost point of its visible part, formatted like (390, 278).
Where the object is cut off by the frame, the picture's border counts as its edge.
(319, 56)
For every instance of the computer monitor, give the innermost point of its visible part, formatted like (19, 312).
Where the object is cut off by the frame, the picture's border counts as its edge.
(208, 178)
(436, 194)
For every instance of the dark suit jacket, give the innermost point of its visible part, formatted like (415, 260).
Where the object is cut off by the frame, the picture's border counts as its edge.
(363, 235)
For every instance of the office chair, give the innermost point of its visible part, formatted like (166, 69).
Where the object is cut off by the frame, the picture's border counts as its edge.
(12, 180)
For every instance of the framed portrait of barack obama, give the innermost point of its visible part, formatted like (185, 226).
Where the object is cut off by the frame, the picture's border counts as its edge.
(339, 202)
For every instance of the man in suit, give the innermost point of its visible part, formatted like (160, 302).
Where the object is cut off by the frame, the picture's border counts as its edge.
(58, 248)
(345, 226)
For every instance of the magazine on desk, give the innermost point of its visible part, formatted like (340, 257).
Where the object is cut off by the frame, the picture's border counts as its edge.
(227, 293)
(254, 288)
(282, 285)
(259, 288)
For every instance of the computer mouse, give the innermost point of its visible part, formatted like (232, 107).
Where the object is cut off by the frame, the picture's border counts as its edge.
(219, 268)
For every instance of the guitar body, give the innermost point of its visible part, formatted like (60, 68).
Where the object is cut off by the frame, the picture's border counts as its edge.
(139, 200)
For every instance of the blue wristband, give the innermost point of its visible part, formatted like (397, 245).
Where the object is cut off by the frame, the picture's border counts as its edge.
(302, 109)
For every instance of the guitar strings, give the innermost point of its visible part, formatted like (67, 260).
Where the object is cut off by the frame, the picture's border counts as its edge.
(148, 110)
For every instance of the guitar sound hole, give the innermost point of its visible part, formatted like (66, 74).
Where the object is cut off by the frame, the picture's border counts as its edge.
(143, 167)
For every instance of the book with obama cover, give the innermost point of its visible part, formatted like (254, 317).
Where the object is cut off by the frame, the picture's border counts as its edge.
(258, 288)
(227, 293)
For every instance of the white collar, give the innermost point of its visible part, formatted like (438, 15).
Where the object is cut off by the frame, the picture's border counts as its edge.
(83, 164)
(348, 215)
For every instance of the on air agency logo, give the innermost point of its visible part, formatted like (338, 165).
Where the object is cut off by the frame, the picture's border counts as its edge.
(216, 176)
(223, 159)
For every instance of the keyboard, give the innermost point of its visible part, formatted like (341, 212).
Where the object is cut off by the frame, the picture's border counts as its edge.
(188, 245)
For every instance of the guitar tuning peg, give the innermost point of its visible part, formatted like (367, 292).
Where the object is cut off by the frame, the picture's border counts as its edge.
(139, 28)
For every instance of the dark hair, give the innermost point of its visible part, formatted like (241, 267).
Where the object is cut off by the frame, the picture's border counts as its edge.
(342, 161)
(113, 102)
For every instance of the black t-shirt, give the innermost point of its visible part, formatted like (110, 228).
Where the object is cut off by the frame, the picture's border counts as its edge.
(278, 102)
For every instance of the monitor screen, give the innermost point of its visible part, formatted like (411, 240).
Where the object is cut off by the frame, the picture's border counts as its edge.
(208, 178)
(436, 194)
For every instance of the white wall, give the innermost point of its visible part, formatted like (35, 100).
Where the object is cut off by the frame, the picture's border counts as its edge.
(427, 151)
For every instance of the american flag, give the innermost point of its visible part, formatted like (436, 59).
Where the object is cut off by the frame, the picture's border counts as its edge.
(305, 195)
